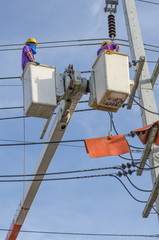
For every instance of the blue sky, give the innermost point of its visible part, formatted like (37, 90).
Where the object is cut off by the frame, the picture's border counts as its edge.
(95, 205)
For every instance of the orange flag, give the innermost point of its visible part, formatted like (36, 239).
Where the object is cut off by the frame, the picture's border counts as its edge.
(101, 147)
(143, 133)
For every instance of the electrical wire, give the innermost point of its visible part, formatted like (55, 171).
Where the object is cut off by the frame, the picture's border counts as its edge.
(8, 108)
(73, 178)
(36, 143)
(59, 173)
(75, 40)
(8, 78)
(155, 210)
(113, 124)
(10, 85)
(82, 234)
(12, 118)
(144, 1)
(128, 159)
(71, 45)
(142, 190)
(24, 116)
(145, 108)
(128, 190)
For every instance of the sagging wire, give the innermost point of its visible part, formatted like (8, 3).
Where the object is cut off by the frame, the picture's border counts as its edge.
(156, 113)
(113, 124)
(76, 178)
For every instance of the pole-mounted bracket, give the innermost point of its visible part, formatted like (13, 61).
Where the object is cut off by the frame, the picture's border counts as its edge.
(147, 149)
(152, 198)
(111, 6)
(155, 74)
(136, 81)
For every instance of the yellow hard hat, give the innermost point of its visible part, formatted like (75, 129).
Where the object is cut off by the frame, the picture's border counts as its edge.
(31, 40)
(105, 42)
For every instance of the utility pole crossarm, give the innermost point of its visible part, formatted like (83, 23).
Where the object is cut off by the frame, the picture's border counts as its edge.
(155, 73)
(147, 149)
(136, 81)
(152, 199)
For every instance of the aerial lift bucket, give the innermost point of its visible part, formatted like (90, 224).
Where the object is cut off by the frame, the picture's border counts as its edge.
(109, 83)
(39, 90)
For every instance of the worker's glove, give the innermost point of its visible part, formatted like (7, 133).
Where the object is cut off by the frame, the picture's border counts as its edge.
(37, 63)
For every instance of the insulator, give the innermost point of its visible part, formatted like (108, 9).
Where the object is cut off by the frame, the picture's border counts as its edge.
(111, 26)
(133, 164)
(130, 172)
(119, 174)
(128, 165)
(123, 166)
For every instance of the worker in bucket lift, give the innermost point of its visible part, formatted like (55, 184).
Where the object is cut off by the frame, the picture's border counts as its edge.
(29, 50)
(109, 47)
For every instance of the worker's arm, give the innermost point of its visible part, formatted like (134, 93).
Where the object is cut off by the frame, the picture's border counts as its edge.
(117, 48)
(30, 56)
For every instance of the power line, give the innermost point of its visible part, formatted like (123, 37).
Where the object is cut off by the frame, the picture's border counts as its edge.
(8, 108)
(114, 127)
(59, 173)
(83, 234)
(6, 78)
(72, 172)
(148, 2)
(10, 85)
(145, 108)
(142, 190)
(70, 45)
(36, 143)
(75, 40)
(24, 116)
(73, 178)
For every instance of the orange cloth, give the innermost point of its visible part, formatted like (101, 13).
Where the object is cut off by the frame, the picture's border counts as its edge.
(101, 147)
(143, 133)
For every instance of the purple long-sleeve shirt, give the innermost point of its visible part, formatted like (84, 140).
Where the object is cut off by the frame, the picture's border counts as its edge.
(105, 47)
(25, 58)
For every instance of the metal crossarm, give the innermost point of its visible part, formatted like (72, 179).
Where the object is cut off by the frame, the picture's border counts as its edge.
(155, 74)
(147, 149)
(136, 81)
(152, 198)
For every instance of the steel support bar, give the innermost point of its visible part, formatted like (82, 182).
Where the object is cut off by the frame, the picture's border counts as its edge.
(155, 74)
(136, 81)
(152, 199)
(147, 149)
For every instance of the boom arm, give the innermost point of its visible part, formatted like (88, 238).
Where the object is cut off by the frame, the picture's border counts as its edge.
(57, 131)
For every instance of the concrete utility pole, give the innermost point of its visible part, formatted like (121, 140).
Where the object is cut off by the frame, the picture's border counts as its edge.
(145, 93)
